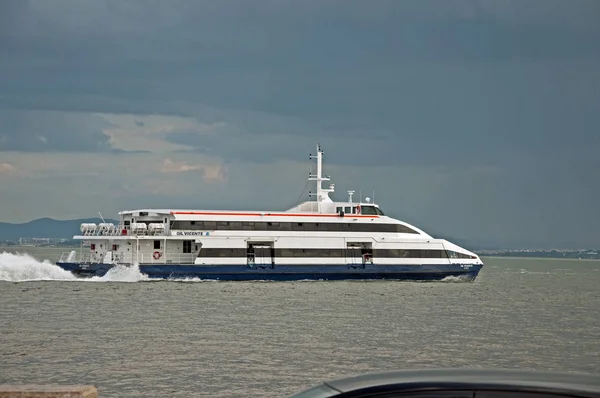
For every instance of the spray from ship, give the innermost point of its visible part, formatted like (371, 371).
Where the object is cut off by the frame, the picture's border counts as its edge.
(21, 267)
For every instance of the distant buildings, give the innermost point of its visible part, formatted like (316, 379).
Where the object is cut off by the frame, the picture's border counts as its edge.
(42, 241)
(542, 253)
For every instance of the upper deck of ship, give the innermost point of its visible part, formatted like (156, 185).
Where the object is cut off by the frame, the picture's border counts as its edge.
(322, 207)
(322, 210)
(350, 210)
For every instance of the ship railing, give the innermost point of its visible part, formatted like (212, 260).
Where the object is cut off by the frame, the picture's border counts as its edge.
(128, 258)
(120, 230)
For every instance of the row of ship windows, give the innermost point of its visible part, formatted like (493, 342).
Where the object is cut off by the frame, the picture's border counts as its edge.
(291, 226)
(381, 253)
(369, 210)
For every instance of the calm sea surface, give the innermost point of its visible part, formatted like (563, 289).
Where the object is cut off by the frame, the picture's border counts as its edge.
(270, 339)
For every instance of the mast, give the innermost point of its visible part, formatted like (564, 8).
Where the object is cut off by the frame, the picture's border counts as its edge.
(322, 193)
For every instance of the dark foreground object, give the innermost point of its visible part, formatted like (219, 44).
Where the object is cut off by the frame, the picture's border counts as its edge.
(459, 383)
(47, 391)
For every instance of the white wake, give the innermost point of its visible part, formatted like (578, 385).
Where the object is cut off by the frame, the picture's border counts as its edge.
(456, 278)
(20, 267)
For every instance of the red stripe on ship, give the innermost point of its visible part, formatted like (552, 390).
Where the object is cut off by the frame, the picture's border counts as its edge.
(202, 213)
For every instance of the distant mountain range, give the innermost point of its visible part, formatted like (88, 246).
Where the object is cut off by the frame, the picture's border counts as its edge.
(45, 228)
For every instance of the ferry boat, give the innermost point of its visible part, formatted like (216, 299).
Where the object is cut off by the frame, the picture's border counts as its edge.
(319, 239)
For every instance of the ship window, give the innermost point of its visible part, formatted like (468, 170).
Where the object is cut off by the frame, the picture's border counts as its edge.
(156, 244)
(399, 253)
(347, 209)
(368, 210)
(284, 226)
(193, 222)
(332, 227)
(431, 254)
(327, 252)
(284, 252)
(338, 209)
(357, 248)
(403, 229)
(295, 226)
(453, 254)
(404, 253)
(300, 253)
(187, 246)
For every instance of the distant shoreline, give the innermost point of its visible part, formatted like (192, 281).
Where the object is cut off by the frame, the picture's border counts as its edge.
(539, 258)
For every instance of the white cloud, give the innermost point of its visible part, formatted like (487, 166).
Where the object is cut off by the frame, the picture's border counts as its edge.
(7, 168)
(210, 172)
(170, 166)
(214, 173)
(147, 132)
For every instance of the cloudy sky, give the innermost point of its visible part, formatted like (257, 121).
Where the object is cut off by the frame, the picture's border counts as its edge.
(475, 119)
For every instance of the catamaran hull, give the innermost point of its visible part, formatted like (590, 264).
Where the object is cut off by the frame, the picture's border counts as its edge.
(420, 272)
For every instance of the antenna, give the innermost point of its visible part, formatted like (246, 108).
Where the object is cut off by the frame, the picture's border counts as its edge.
(350, 193)
(322, 193)
(102, 218)
(373, 196)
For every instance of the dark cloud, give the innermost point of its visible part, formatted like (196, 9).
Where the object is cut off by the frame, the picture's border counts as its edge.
(45, 131)
(364, 147)
(444, 76)
(251, 55)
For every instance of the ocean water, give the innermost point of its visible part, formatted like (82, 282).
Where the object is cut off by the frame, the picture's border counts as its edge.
(131, 337)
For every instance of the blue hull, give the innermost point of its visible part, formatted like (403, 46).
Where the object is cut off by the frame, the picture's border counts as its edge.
(420, 272)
